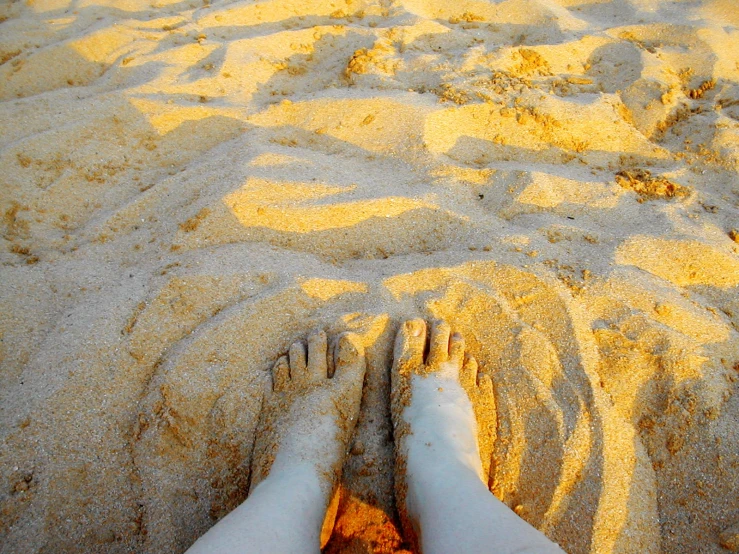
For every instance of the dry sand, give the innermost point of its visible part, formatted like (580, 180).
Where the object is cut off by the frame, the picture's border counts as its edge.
(187, 187)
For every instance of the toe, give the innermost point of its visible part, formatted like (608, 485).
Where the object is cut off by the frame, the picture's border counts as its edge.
(484, 383)
(468, 373)
(439, 344)
(280, 374)
(298, 366)
(317, 362)
(456, 349)
(409, 345)
(350, 361)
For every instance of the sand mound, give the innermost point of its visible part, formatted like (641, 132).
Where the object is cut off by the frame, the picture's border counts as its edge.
(190, 186)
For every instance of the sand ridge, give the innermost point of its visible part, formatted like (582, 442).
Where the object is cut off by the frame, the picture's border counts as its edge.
(188, 186)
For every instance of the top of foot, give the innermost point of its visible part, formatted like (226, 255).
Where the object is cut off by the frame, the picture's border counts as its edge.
(441, 355)
(312, 408)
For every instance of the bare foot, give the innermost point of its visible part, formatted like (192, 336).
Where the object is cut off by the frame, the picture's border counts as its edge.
(306, 423)
(443, 413)
(444, 417)
(310, 415)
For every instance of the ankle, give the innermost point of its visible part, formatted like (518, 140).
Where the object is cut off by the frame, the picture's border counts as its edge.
(295, 488)
(441, 486)
(301, 476)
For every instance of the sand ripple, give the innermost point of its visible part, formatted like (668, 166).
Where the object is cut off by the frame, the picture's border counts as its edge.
(189, 186)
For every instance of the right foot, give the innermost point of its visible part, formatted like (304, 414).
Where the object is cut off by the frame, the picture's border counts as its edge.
(443, 412)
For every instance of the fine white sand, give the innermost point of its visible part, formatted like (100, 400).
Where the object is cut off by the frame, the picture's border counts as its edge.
(188, 187)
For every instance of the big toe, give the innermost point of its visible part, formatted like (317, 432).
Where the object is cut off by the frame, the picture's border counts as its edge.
(409, 346)
(349, 360)
(281, 374)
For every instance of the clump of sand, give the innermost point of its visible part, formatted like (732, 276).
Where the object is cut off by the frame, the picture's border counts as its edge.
(190, 186)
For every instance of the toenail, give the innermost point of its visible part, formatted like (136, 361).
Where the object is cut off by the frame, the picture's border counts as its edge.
(416, 327)
(347, 346)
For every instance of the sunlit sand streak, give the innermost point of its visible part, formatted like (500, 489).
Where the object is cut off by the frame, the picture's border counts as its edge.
(282, 207)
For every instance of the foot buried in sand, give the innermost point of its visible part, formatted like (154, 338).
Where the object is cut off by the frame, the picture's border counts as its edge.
(444, 418)
(443, 412)
(307, 420)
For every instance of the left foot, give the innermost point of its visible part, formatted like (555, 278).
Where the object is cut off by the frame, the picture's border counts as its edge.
(308, 417)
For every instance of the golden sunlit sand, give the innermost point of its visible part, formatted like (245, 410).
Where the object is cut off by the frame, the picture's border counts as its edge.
(189, 186)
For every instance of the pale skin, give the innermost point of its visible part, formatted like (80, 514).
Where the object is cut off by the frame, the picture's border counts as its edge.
(442, 490)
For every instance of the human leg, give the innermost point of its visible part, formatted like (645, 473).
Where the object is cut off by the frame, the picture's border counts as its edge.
(441, 481)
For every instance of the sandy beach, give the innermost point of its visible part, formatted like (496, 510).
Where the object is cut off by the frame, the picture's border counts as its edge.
(187, 187)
